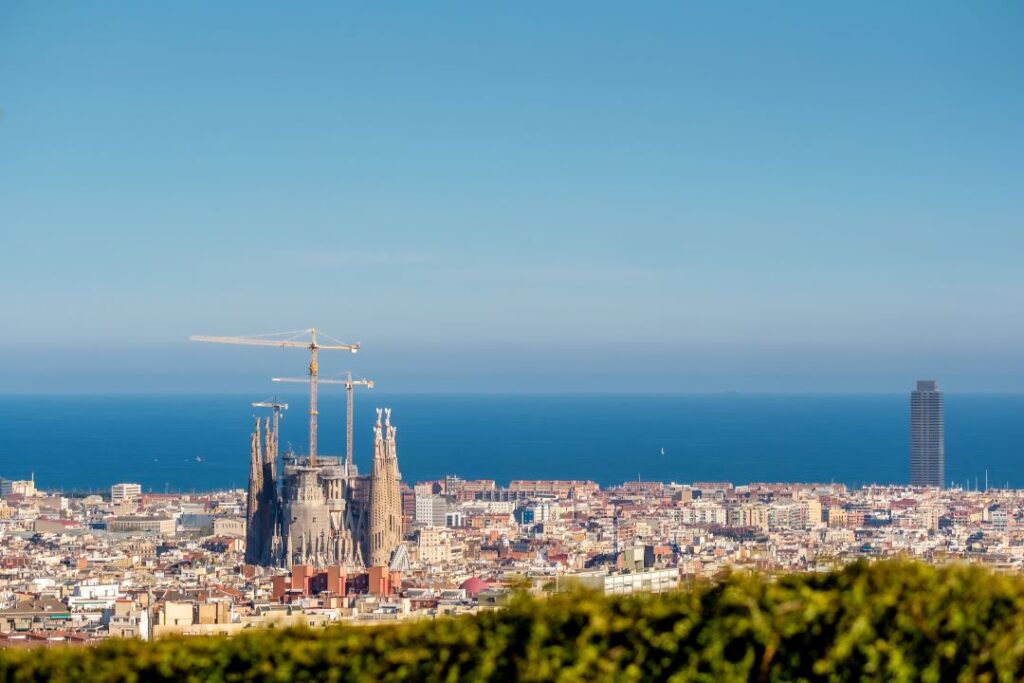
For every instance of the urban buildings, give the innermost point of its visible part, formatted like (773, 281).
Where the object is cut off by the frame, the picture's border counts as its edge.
(313, 542)
(26, 487)
(74, 570)
(927, 435)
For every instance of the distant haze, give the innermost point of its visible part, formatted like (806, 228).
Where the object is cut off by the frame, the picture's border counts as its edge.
(673, 197)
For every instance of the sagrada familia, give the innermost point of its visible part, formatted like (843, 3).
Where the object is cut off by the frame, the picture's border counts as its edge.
(318, 510)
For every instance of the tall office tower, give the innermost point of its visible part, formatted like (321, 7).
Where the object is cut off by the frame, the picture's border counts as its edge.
(927, 435)
(385, 532)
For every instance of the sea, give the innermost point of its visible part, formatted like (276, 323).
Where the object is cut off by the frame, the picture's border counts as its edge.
(181, 443)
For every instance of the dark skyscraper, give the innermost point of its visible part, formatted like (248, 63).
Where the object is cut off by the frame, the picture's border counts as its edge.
(927, 435)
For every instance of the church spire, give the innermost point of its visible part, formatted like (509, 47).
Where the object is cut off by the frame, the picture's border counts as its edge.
(385, 532)
(252, 507)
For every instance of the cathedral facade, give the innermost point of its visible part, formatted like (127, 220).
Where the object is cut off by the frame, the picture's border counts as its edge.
(322, 512)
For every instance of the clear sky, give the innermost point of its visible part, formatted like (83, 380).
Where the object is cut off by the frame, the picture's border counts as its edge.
(679, 196)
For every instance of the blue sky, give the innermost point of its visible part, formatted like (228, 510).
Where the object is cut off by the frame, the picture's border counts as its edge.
(796, 196)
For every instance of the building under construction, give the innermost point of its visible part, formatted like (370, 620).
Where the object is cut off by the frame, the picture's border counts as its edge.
(318, 510)
(321, 511)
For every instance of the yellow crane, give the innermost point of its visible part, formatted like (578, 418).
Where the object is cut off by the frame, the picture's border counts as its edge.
(350, 385)
(292, 340)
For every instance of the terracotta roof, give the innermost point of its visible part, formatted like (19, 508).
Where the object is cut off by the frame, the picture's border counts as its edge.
(474, 585)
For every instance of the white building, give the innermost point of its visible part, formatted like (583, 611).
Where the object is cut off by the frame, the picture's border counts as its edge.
(544, 512)
(1000, 518)
(431, 510)
(123, 492)
(705, 513)
(624, 583)
(93, 596)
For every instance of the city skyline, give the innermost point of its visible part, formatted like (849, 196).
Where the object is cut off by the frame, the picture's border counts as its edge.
(608, 438)
(685, 198)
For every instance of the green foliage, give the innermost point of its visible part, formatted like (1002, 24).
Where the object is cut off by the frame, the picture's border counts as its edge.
(890, 621)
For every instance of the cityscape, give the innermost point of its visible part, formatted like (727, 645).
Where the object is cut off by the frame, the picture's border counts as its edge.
(311, 541)
(624, 342)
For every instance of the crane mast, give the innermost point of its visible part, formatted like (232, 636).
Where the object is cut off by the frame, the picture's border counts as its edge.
(292, 341)
(350, 385)
(313, 371)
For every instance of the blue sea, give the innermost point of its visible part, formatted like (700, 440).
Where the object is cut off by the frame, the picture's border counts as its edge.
(201, 442)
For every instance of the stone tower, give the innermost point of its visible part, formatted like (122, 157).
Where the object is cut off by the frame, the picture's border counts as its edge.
(253, 534)
(263, 519)
(385, 532)
(309, 539)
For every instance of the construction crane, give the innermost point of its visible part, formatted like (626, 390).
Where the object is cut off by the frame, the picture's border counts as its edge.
(274, 405)
(350, 385)
(293, 341)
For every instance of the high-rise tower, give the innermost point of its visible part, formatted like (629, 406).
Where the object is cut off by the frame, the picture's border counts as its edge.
(385, 532)
(927, 435)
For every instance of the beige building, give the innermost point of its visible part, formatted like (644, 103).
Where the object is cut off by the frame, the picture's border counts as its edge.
(174, 614)
(929, 518)
(229, 526)
(554, 487)
(189, 618)
(749, 515)
(813, 513)
(436, 545)
(155, 524)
